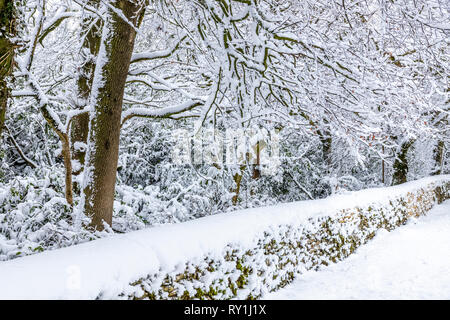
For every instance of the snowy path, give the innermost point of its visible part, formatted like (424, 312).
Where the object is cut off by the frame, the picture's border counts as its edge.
(411, 262)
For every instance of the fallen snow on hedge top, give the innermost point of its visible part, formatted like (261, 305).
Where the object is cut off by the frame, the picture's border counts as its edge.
(108, 265)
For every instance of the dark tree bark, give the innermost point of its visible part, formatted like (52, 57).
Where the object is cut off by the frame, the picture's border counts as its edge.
(326, 141)
(80, 124)
(237, 180)
(256, 166)
(439, 157)
(7, 29)
(105, 120)
(401, 163)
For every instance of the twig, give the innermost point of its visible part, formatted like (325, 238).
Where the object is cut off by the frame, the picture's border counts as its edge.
(30, 162)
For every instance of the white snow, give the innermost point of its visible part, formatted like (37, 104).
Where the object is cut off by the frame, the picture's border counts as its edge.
(108, 265)
(136, 57)
(166, 111)
(411, 262)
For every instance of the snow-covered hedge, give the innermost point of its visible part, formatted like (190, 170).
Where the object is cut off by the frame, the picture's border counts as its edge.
(234, 255)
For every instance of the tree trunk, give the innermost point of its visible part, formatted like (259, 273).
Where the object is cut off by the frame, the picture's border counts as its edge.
(401, 163)
(109, 82)
(438, 158)
(7, 29)
(68, 169)
(326, 150)
(237, 180)
(256, 166)
(4, 96)
(326, 144)
(383, 168)
(80, 125)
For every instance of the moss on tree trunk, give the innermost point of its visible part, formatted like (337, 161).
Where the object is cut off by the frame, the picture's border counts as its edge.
(105, 120)
(401, 163)
(80, 124)
(7, 29)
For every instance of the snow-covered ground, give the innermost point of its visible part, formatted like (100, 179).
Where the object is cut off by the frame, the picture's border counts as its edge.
(411, 262)
(107, 266)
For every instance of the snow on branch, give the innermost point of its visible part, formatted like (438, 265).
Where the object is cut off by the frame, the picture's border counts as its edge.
(30, 162)
(121, 15)
(25, 69)
(159, 54)
(55, 21)
(23, 93)
(166, 112)
(148, 83)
